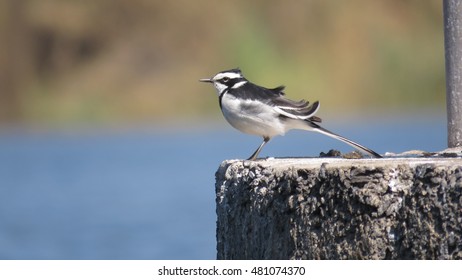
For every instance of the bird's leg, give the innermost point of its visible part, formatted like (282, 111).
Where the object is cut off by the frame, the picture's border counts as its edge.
(255, 154)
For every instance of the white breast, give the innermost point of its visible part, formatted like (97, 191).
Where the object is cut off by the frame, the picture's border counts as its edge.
(251, 116)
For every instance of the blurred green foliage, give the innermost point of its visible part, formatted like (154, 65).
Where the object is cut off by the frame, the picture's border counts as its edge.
(65, 61)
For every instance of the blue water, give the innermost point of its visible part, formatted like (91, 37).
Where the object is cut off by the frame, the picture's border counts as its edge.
(146, 192)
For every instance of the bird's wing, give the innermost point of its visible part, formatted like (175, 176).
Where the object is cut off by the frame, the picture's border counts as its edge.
(296, 109)
(255, 92)
(278, 90)
(275, 97)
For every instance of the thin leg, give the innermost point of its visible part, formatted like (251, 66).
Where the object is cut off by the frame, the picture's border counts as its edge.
(255, 154)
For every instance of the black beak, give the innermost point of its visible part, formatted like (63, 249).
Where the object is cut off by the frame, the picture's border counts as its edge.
(206, 80)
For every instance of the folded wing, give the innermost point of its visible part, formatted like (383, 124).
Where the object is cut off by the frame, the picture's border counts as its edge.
(296, 109)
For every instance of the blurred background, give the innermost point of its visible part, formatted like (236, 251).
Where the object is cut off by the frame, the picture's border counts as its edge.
(109, 144)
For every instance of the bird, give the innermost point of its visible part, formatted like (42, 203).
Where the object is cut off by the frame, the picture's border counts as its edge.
(266, 112)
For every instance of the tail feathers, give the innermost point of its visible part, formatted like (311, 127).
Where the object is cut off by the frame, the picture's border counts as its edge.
(347, 141)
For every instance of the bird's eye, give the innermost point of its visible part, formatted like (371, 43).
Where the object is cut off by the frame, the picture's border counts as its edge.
(225, 79)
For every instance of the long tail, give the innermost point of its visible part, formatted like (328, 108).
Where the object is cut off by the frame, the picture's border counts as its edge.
(355, 145)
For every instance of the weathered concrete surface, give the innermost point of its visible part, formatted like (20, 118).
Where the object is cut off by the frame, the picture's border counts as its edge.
(325, 208)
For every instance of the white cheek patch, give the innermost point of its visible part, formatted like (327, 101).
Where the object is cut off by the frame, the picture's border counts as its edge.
(237, 85)
(220, 87)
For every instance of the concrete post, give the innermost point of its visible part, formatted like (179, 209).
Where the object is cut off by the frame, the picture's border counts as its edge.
(321, 208)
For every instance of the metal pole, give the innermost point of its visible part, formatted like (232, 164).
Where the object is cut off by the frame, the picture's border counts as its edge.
(452, 10)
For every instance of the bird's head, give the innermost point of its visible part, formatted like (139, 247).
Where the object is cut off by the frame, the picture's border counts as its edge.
(226, 80)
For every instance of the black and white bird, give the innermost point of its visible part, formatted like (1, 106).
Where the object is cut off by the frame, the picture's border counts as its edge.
(267, 112)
